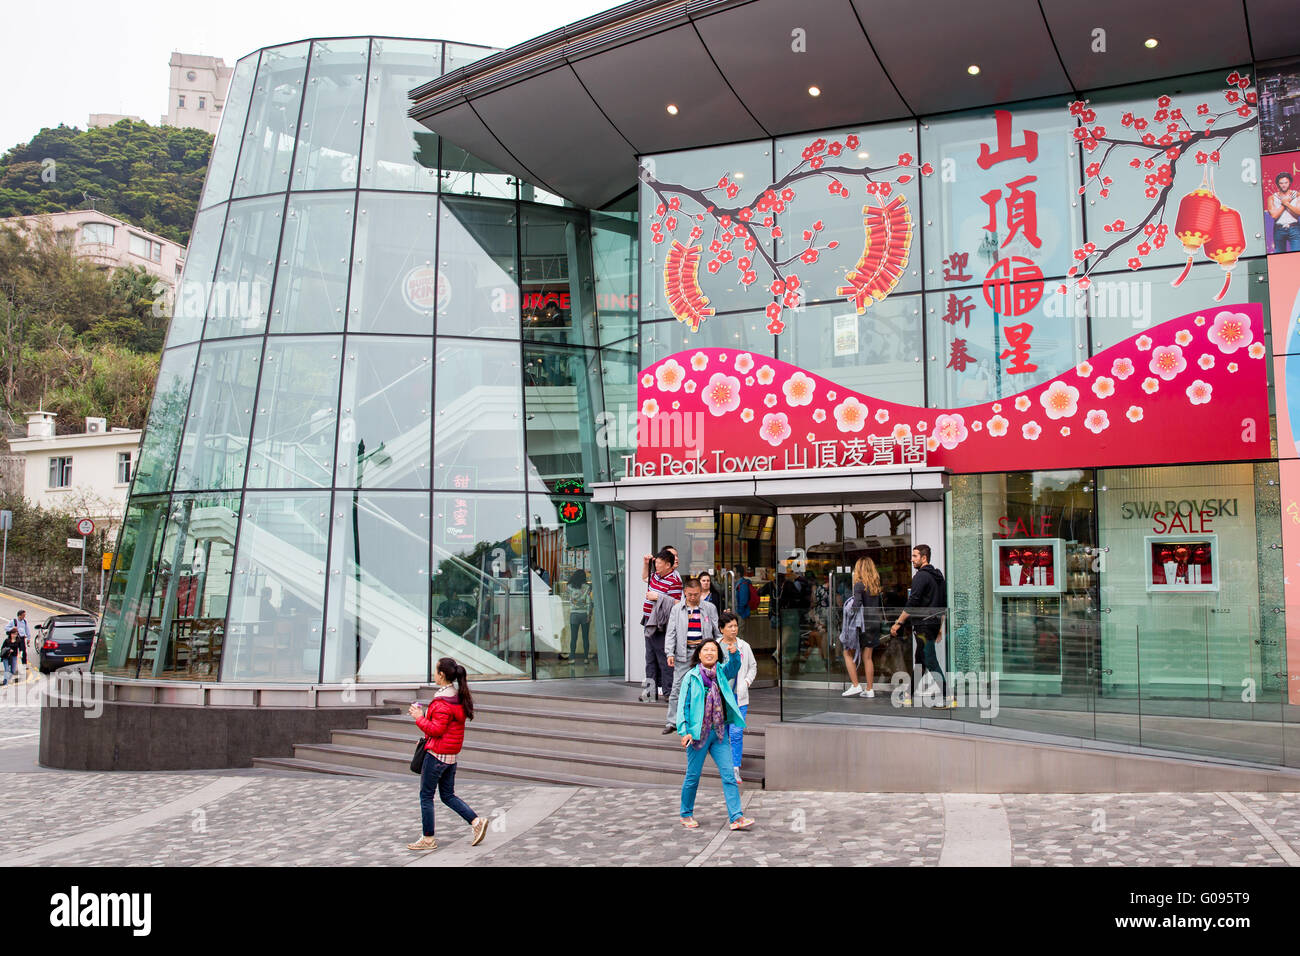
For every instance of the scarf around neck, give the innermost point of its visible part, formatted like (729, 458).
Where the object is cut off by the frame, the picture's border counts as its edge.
(714, 710)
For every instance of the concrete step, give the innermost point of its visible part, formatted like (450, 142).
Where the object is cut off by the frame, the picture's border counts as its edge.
(648, 769)
(316, 766)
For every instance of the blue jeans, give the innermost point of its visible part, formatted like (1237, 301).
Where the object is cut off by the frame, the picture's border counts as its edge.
(738, 738)
(579, 622)
(11, 667)
(441, 777)
(1286, 238)
(717, 748)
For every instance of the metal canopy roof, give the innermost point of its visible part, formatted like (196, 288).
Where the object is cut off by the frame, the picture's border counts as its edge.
(570, 110)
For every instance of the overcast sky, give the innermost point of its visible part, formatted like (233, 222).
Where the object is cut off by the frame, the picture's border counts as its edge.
(81, 57)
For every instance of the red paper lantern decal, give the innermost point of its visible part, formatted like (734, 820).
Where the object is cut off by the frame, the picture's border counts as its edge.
(1197, 214)
(1226, 244)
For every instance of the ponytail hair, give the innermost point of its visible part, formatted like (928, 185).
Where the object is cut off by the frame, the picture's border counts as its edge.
(453, 671)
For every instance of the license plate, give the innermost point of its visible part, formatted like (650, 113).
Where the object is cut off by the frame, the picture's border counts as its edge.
(74, 660)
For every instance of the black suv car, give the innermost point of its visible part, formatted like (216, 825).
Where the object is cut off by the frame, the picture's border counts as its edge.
(64, 639)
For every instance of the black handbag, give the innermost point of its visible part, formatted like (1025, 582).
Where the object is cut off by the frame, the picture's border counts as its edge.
(417, 760)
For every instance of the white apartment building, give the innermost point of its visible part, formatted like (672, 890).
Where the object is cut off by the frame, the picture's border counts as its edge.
(88, 473)
(99, 120)
(197, 91)
(108, 242)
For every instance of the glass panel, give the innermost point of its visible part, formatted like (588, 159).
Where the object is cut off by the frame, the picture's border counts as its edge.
(617, 430)
(225, 151)
(614, 250)
(385, 433)
(989, 171)
(130, 588)
(162, 436)
(555, 255)
(271, 130)
(877, 354)
(331, 115)
(482, 584)
(530, 193)
(245, 269)
(461, 54)
(562, 399)
(478, 438)
(748, 331)
(399, 152)
(196, 282)
(394, 284)
(215, 446)
(293, 436)
(477, 291)
(377, 624)
(748, 169)
(311, 286)
(278, 593)
(860, 222)
(978, 353)
(468, 175)
(746, 565)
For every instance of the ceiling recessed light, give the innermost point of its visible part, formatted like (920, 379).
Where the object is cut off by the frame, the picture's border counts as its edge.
(1151, 43)
(737, 175)
(814, 91)
(672, 109)
(864, 155)
(973, 69)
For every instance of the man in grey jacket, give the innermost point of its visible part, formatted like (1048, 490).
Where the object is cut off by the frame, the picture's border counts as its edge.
(689, 624)
(659, 676)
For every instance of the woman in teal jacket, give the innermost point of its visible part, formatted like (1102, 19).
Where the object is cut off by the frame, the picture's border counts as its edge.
(705, 706)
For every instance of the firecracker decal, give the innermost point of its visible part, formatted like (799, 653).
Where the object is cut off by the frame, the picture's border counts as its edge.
(888, 241)
(682, 285)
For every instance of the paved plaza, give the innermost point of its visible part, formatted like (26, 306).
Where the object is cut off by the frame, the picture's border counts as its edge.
(262, 817)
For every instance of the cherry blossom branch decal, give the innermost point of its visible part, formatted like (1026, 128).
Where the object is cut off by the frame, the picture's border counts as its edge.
(887, 225)
(1159, 142)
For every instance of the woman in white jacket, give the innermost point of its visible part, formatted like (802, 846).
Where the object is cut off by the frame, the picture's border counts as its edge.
(729, 625)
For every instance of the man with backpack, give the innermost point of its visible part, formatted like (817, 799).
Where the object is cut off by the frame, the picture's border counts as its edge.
(926, 604)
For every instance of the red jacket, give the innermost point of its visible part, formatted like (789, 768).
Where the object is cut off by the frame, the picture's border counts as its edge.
(444, 724)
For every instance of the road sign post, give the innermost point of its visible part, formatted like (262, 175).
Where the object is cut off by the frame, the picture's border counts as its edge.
(6, 520)
(85, 528)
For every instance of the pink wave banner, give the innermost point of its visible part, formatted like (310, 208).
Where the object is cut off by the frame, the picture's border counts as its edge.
(1192, 389)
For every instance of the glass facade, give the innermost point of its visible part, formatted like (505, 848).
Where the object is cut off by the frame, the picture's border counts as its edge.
(374, 432)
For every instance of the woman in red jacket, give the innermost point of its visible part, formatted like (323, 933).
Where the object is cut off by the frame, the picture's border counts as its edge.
(444, 730)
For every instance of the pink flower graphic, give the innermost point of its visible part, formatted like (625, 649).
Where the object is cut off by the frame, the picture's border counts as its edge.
(670, 376)
(1121, 368)
(998, 426)
(1256, 351)
(1134, 413)
(1183, 338)
(1143, 343)
(1199, 320)
(1232, 366)
(699, 361)
(1150, 385)
(850, 415)
(1065, 431)
(1096, 421)
(997, 407)
(769, 400)
(977, 425)
(747, 415)
(1060, 400)
(1167, 361)
(649, 408)
(1206, 361)
(819, 415)
(830, 396)
(722, 357)
(722, 394)
(1230, 331)
(950, 430)
(775, 428)
(922, 426)
(1022, 403)
(882, 415)
(1031, 430)
(1104, 387)
(901, 431)
(932, 444)
(1199, 392)
(766, 375)
(1083, 369)
(811, 437)
(744, 362)
(749, 380)
(677, 404)
(690, 388)
(798, 389)
(647, 379)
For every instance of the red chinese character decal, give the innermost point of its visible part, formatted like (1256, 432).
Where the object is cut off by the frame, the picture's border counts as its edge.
(958, 357)
(1013, 286)
(959, 307)
(954, 267)
(1028, 150)
(1018, 339)
(1022, 211)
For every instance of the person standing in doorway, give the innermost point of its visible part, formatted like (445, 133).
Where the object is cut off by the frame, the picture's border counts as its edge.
(690, 623)
(864, 613)
(925, 606)
(663, 589)
(707, 709)
(443, 724)
(708, 592)
(732, 645)
(579, 614)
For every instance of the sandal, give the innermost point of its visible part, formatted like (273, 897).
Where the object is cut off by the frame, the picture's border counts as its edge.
(744, 823)
(690, 823)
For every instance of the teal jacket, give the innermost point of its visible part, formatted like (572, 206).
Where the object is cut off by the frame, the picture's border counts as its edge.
(690, 699)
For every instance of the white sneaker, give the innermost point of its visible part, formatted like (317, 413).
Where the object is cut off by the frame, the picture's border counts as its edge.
(854, 691)
(868, 693)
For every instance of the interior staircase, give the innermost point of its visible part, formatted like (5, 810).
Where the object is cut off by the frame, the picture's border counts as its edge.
(586, 733)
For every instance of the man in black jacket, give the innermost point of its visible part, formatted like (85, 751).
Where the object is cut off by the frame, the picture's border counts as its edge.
(927, 601)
